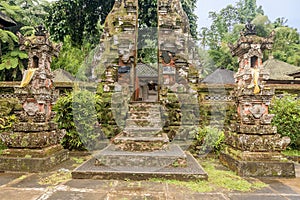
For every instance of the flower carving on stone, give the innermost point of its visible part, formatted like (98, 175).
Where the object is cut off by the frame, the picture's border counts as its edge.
(31, 108)
(257, 111)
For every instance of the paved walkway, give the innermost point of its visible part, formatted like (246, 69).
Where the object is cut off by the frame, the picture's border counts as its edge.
(16, 186)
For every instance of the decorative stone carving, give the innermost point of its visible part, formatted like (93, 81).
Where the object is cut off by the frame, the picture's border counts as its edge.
(253, 131)
(34, 143)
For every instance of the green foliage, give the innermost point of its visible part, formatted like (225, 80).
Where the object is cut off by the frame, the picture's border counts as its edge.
(70, 57)
(86, 118)
(292, 153)
(6, 122)
(287, 118)
(229, 21)
(287, 45)
(64, 119)
(26, 13)
(209, 139)
(77, 18)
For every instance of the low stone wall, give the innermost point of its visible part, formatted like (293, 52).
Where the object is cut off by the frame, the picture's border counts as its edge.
(216, 104)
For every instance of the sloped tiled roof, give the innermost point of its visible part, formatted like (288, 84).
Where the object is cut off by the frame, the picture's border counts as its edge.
(6, 21)
(61, 75)
(295, 74)
(144, 70)
(280, 70)
(220, 76)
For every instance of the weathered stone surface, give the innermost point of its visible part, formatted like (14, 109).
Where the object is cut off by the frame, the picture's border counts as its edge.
(34, 143)
(32, 153)
(34, 127)
(7, 106)
(254, 143)
(192, 171)
(146, 143)
(255, 156)
(171, 156)
(257, 130)
(28, 164)
(32, 139)
(143, 129)
(259, 168)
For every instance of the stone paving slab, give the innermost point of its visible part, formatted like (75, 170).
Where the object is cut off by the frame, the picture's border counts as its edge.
(70, 195)
(5, 178)
(193, 171)
(278, 186)
(16, 186)
(14, 194)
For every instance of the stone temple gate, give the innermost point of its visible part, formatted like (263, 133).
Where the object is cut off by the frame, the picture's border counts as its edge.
(116, 63)
(143, 149)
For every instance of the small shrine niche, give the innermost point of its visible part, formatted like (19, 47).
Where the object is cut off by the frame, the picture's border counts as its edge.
(35, 62)
(254, 62)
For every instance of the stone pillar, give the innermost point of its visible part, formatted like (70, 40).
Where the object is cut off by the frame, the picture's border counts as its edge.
(34, 143)
(118, 47)
(253, 144)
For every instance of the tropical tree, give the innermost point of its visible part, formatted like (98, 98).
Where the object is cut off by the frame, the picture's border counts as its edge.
(78, 19)
(287, 45)
(230, 21)
(27, 14)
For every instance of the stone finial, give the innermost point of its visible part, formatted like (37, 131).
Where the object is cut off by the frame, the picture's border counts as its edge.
(250, 29)
(40, 30)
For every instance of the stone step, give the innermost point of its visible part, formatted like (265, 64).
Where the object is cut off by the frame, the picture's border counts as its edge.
(141, 144)
(143, 129)
(192, 171)
(139, 133)
(138, 123)
(144, 115)
(112, 157)
(141, 107)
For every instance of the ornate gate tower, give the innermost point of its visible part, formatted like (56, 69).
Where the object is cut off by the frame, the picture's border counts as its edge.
(253, 144)
(142, 149)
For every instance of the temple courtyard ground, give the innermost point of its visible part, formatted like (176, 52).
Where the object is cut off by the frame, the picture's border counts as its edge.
(222, 185)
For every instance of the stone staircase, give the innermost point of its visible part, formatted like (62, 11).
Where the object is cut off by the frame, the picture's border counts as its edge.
(143, 129)
(141, 151)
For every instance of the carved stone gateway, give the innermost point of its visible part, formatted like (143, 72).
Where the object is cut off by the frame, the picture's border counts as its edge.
(143, 149)
(34, 143)
(253, 144)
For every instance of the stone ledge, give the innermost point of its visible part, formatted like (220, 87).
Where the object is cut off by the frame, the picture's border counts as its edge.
(257, 130)
(32, 139)
(255, 156)
(33, 153)
(112, 157)
(34, 127)
(258, 168)
(257, 143)
(33, 164)
(193, 171)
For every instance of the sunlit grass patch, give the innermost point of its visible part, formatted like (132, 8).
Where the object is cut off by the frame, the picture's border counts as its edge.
(56, 178)
(218, 180)
(291, 152)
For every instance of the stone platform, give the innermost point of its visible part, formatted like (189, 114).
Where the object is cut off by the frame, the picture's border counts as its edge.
(156, 165)
(33, 161)
(258, 168)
